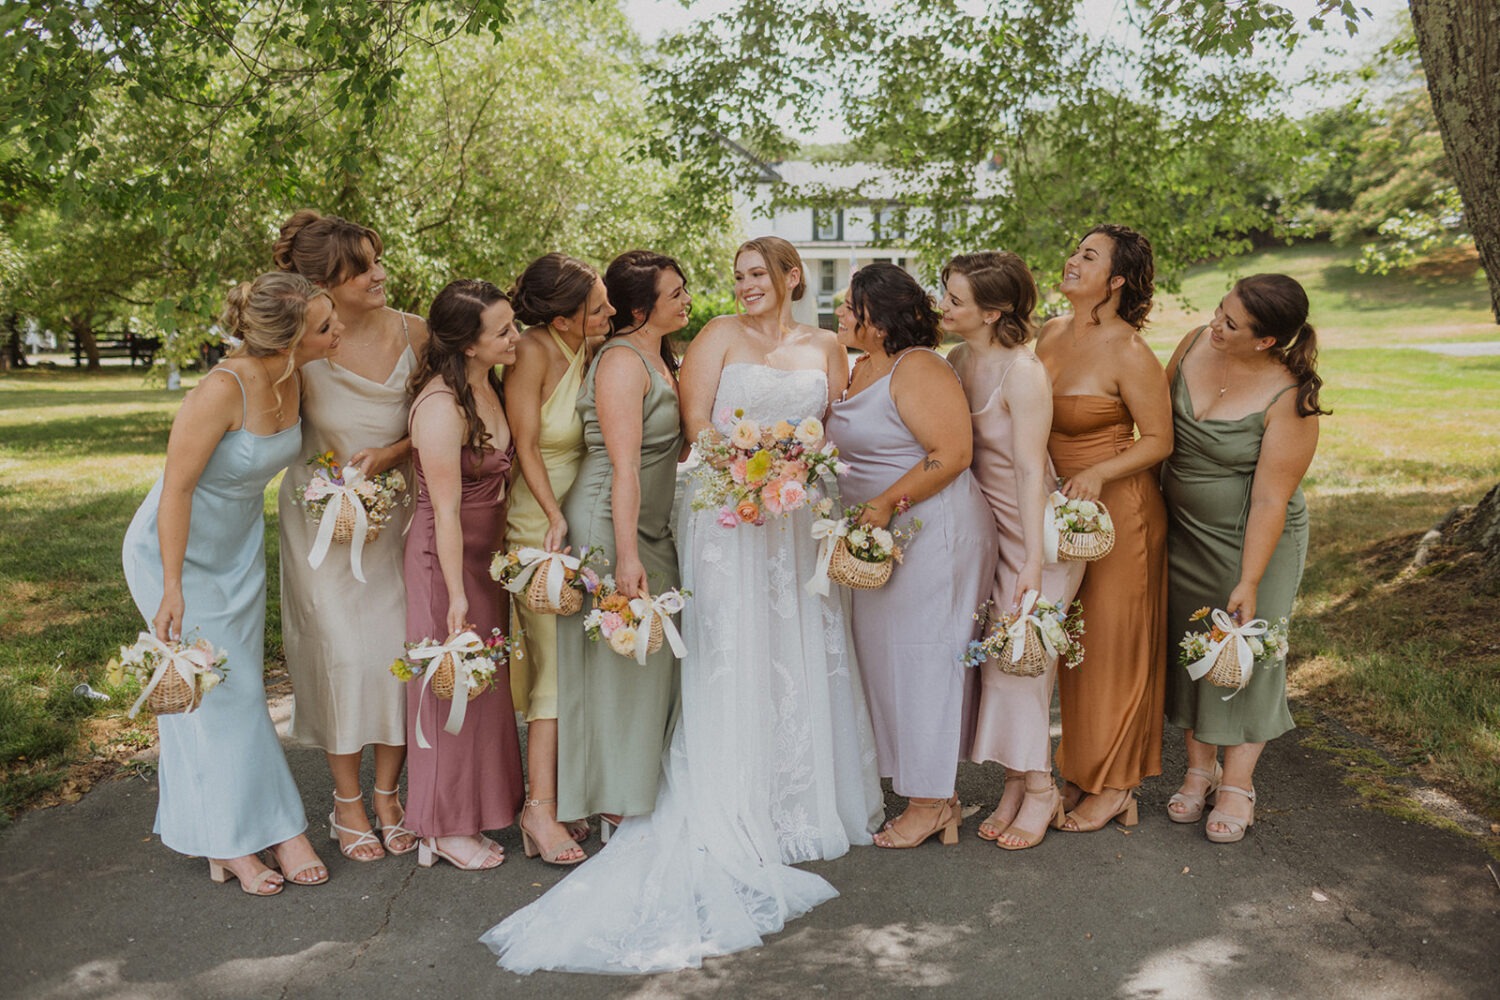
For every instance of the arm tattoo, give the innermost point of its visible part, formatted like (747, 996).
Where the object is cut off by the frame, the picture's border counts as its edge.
(930, 463)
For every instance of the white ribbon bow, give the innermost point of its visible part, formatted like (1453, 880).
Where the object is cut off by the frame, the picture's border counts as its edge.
(1235, 633)
(646, 608)
(534, 559)
(1026, 620)
(321, 487)
(461, 646)
(828, 531)
(188, 663)
(1050, 535)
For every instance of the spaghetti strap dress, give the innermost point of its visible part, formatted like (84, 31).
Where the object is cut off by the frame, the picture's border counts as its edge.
(1207, 482)
(614, 715)
(533, 678)
(470, 780)
(340, 634)
(225, 787)
(1112, 702)
(910, 634)
(1014, 713)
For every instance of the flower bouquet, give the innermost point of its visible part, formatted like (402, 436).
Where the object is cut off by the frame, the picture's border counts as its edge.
(349, 507)
(1077, 530)
(554, 583)
(1024, 642)
(750, 471)
(1225, 651)
(861, 556)
(635, 626)
(174, 675)
(464, 662)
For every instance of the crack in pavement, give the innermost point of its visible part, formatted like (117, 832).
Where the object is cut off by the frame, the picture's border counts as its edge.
(385, 920)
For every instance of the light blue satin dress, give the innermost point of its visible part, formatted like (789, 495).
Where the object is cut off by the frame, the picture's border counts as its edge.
(226, 790)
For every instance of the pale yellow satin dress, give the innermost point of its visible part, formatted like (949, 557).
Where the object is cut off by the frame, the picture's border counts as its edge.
(533, 677)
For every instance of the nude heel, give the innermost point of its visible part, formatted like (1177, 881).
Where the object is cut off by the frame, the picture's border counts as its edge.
(425, 856)
(220, 874)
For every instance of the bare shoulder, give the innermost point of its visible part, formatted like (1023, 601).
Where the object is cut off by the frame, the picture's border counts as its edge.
(415, 327)
(925, 365)
(1136, 353)
(717, 330)
(1051, 328)
(221, 389)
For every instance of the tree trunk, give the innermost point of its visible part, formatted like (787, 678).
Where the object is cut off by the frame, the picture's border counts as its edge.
(1460, 45)
(15, 354)
(85, 341)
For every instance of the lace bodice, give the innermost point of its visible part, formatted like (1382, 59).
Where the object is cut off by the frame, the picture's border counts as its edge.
(768, 394)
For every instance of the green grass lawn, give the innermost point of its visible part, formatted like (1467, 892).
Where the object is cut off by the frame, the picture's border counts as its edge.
(1412, 434)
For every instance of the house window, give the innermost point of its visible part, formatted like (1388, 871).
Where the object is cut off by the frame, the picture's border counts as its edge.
(828, 224)
(827, 275)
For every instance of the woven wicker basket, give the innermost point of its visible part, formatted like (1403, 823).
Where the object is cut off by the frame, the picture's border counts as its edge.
(173, 695)
(1227, 672)
(343, 525)
(1073, 546)
(849, 570)
(1033, 661)
(443, 678)
(570, 602)
(657, 637)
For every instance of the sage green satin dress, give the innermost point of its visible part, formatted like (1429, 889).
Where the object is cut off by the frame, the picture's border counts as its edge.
(1206, 483)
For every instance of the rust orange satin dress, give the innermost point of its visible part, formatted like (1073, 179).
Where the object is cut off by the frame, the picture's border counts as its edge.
(1112, 703)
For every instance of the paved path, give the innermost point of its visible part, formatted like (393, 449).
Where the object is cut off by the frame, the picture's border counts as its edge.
(1324, 899)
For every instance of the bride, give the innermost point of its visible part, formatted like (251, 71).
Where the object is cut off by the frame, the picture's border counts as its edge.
(772, 761)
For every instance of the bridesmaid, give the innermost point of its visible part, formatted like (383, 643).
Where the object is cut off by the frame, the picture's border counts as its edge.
(469, 781)
(1106, 386)
(340, 634)
(1237, 534)
(903, 428)
(613, 715)
(988, 302)
(226, 791)
(564, 303)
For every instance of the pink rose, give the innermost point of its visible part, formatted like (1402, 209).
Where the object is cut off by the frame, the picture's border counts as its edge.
(727, 518)
(771, 497)
(792, 495)
(610, 622)
(737, 469)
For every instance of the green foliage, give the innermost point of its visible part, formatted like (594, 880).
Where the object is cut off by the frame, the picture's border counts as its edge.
(1235, 26)
(707, 305)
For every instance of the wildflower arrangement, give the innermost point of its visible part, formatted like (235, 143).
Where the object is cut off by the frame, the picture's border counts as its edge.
(853, 554)
(465, 662)
(1078, 529)
(1024, 641)
(751, 471)
(174, 676)
(553, 582)
(379, 495)
(1225, 651)
(637, 626)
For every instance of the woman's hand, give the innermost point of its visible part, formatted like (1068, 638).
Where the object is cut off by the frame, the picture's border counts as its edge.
(630, 576)
(1086, 485)
(1030, 578)
(557, 534)
(458, 613)
(167, 625)
(878, 513)
(373, 461)
(1242, 602)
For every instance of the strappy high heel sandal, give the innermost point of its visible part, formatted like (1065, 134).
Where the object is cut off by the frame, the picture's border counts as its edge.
(390, 833)
(294, 875)
(608, 824)
(222, 873)
(992, 827)
(1127, 814)
(945, 820)
(1026, 838)
(361, 837)
(1237, 827)
(532, 848)
(428, 852)
(1192, 804)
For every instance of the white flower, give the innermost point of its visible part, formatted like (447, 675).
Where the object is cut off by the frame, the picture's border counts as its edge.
(746, 434)
(1105, 522)
(1054, 633)
(593, 619)
(882, 538)
(207, 681)
(1087, 508)
(623, 641)
(810, 431)
(858, 537)
(823, 507)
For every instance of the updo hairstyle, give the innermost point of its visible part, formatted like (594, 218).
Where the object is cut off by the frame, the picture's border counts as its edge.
(1000, 280)
(325, 249)
(1130, 258)
(552, 286)
(884, 296)
(267, 317)
(780, 257)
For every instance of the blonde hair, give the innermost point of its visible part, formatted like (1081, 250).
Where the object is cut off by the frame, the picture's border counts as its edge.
(325, 248)
(780, 257)
(268, 316)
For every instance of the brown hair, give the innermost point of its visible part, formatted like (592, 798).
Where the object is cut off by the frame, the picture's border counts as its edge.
(1000, 280)
(780, 257)
(553, 285)
(325, 249)
(453, 323)
(885, 296)
(1130, 258)
(630, 281)
(1277, 306)
(268, 316)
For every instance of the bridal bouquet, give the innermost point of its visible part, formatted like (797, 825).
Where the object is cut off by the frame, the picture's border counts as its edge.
(348, 506)
(1225, 651)
(464, 662)
(1077, 530)
(1025, 641)
(174, 675)
(750, 471)
(635, 626)
(554, 582)
(856, 555)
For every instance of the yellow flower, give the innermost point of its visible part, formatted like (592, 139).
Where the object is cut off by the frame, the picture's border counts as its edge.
(114, 673)
(1198, 615)
(759, 466)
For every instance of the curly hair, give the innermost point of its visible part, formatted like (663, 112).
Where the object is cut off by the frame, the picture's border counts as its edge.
(884, 296)
(999, 280)
(1278, 306)
(1130, 258)
(453, 323)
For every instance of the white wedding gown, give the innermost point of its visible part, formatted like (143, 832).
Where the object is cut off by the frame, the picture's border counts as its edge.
(772, 761)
